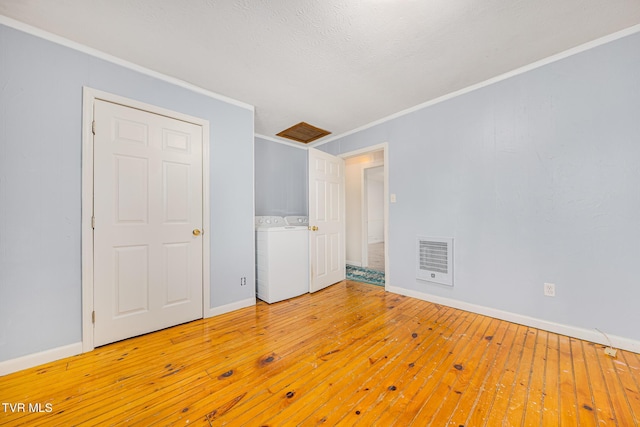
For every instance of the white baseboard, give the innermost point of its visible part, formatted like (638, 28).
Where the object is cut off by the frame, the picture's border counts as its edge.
(215, 311)
(35, 359)
(31, 360)
(354, 263)
(558, 328)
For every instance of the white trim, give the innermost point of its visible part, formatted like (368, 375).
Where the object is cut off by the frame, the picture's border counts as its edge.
(25, 28)
(368, 149)
(89, 96)
(253, 209)
(206, 220)
(101, 55)
(384, 146)
(364, 219)
(553, 58)
(30, 360)
(558, 328)
(354, 263)
(216, 311)
(280, 141)
(36, 359)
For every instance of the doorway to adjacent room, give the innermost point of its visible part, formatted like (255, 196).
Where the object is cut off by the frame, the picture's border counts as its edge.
(366, 205)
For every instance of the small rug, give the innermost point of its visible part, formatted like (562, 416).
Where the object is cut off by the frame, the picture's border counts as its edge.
(366, 275)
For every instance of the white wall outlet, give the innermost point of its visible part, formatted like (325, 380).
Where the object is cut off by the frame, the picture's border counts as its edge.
(609, 351)
(549, 290)
(393, 198)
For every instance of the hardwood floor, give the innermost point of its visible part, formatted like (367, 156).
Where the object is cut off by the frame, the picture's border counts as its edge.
(348, 355)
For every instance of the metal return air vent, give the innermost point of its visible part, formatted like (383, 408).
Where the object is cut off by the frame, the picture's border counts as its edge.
(435, 260)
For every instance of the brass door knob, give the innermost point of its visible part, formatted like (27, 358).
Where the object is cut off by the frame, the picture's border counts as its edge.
(313, 228)
(196, 232)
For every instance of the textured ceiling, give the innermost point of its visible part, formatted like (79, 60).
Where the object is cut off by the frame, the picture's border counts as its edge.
(336, 64)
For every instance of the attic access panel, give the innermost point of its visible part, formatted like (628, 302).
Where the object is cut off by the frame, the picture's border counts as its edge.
(303, 132)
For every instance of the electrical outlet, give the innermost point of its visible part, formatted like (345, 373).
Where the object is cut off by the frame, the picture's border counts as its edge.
(549, 290)
(609, 351)
(243, 281)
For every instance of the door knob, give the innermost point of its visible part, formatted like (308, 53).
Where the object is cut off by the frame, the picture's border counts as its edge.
(313, 228)
(196, 232)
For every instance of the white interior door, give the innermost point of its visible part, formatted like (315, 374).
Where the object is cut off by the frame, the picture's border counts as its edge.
(148, 222)
(326, 219)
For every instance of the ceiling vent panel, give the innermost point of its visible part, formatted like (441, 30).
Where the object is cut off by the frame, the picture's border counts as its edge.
(303, 132)
(435, 259)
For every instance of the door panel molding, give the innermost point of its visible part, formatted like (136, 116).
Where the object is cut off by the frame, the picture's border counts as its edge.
(90, 96)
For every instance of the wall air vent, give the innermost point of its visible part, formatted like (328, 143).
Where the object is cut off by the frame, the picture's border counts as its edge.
(303, 132)
(435, 260)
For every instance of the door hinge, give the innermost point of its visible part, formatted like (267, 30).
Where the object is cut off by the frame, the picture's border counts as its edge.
(93, 317)
(93, 127)
(93, 222)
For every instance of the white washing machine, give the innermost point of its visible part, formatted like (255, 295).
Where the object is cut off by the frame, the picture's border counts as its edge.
(282, 257)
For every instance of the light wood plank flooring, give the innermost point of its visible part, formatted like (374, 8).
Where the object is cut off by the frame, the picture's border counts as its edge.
(348, 355)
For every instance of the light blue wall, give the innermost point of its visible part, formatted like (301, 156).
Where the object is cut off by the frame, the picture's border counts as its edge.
(40, 186)
(537, 178)
(281, 179)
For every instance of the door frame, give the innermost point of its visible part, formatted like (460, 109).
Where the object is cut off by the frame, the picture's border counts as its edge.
(89, 96)
(384, 146)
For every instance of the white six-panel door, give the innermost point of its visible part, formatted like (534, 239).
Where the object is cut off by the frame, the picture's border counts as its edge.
(148, 222)
(326, 219)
